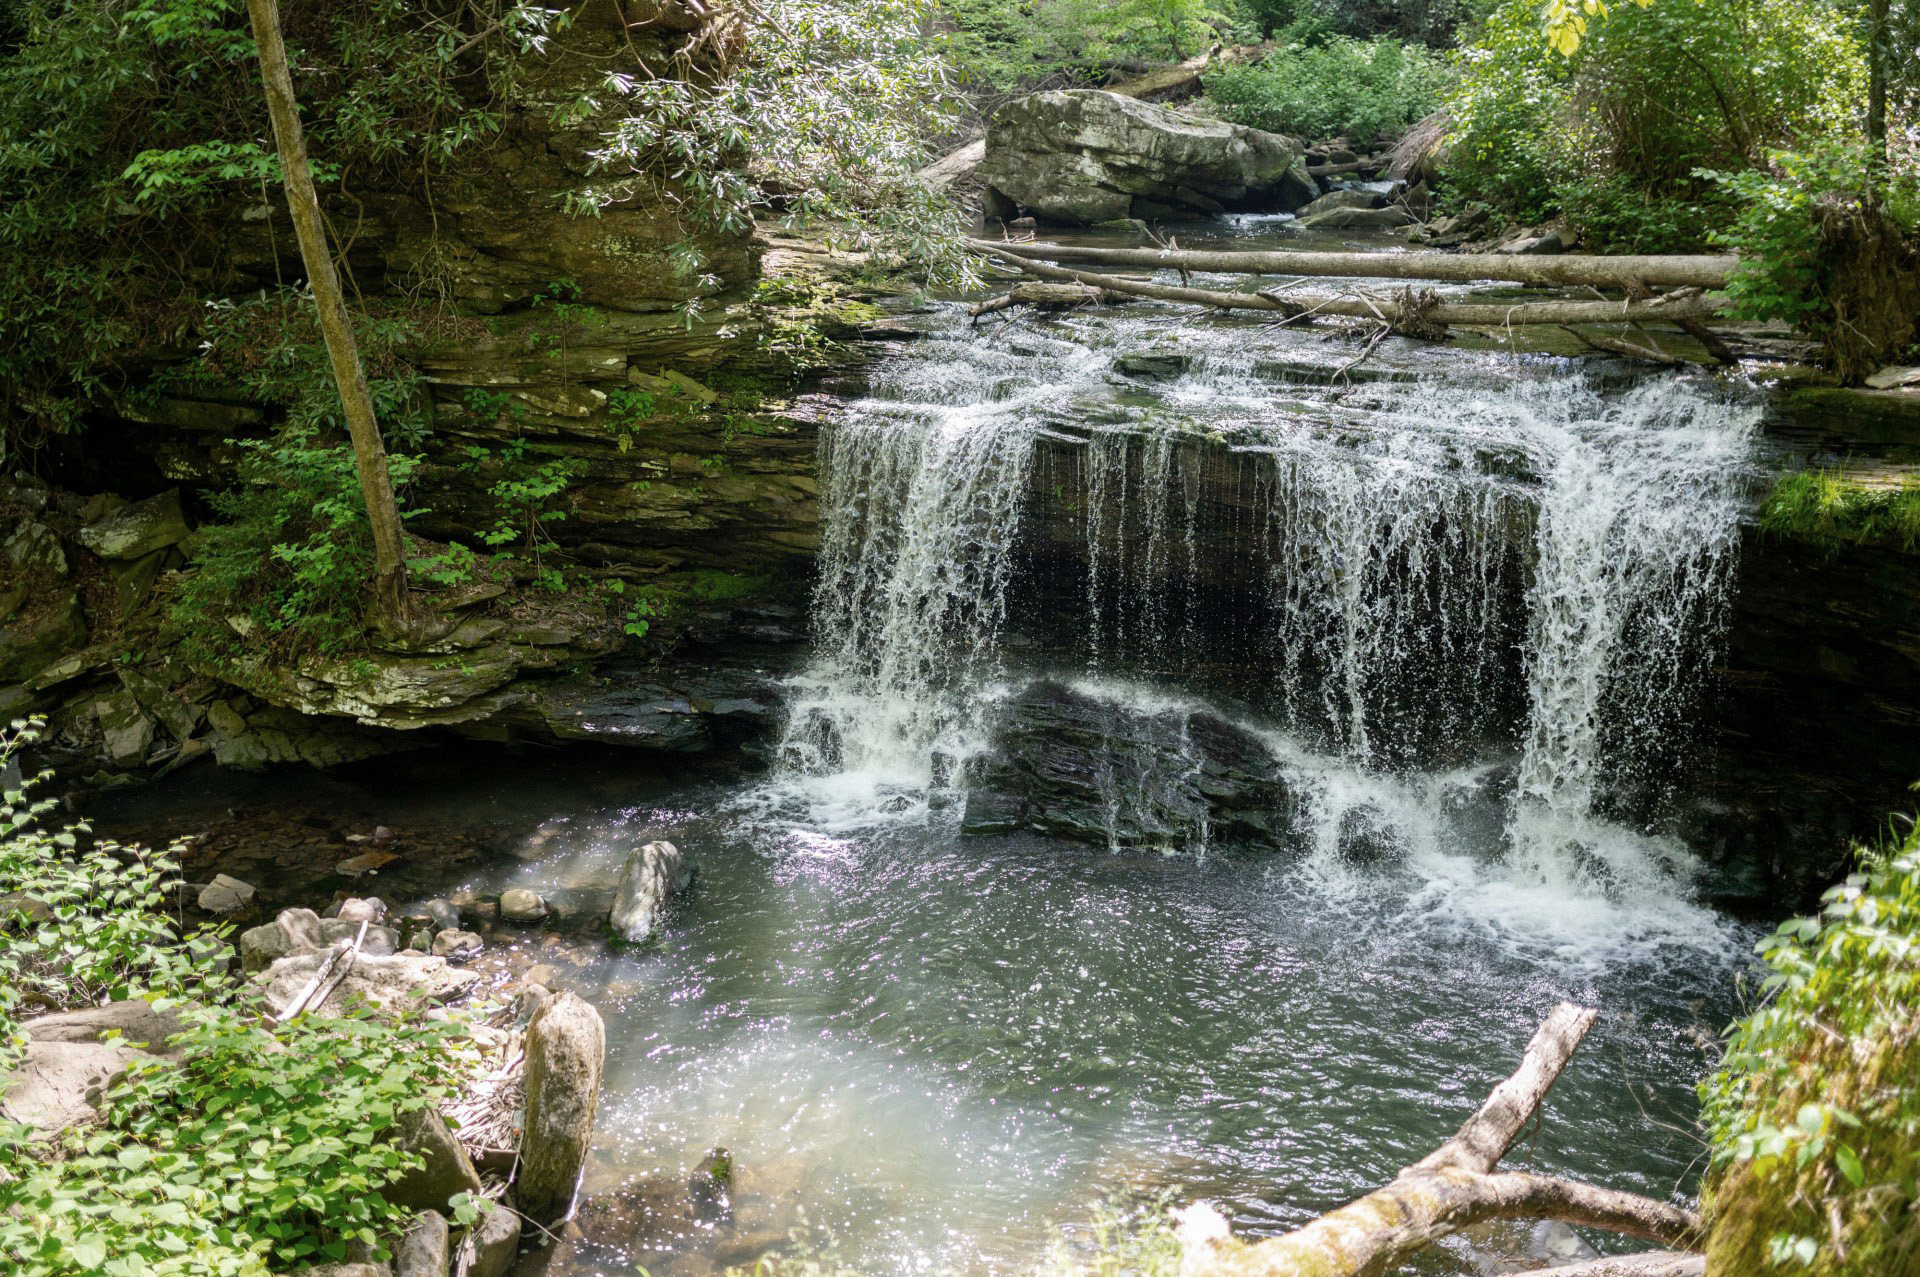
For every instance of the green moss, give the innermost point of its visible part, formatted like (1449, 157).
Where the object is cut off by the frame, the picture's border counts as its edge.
(1826, 505)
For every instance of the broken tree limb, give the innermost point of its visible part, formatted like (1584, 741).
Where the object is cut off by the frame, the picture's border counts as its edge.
(1671, 308)
(1652, 1263)
(1454, 1186)
(1630, 349)
(1047, 297)
(1567, 270)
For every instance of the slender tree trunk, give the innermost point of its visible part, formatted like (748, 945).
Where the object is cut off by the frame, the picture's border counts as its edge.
(391, 611)
(1879, 54)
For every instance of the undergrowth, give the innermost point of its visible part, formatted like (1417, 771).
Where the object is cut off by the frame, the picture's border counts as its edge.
(257, 1147)
(1824, 504)
(1367, 91)
(1814, 1113)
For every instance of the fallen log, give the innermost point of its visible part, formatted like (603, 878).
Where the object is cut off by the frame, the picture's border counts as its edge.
(1453, 1186)
(1046, 297)
(1570, 270)
(1365, 164)
(1406, 311)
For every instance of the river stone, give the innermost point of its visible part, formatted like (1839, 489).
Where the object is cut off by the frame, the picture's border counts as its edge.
(1075, 766)
(423, 1251)
(494, 1242)
(652, 876)
(137, 530)
(61, 1085)
(454, 944)
(445, 914)
(359, 909)
(1349, 197)
(517, 904)
(566, 1047)
(1534, 245)
(446, 1169)
(1357, 219)
(226, 894)
(34, 547)
(399, 982)
(42, 637)
(127, 728)
(1153, 366)
(1081, 156)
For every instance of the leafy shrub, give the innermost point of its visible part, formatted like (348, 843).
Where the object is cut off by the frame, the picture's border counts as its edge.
(254, 1149)
(1365, 90)
(1785, 271)
(290, 556)
(1651, 97)
(1814, 1113)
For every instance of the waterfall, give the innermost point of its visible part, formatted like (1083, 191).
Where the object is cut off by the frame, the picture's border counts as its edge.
(1493, 563)
(923, 487)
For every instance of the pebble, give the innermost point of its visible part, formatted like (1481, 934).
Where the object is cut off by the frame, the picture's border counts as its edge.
(517, 904)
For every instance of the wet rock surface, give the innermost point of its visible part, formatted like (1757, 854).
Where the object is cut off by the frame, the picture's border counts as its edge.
(1082, 156)
(1072, 765)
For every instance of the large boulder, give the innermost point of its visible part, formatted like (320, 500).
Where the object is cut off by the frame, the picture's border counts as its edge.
(1076, 766)
(1080, 156)
(651, 878)
(395, 983)
(136, 531)
(566, 1048)
(423, 1250)
(445, 1170)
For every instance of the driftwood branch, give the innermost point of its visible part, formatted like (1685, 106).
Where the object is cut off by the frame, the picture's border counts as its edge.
(1631, 349)
(1671, 308)
(1652, 1263)
(1454, 1186)
(1574, 269)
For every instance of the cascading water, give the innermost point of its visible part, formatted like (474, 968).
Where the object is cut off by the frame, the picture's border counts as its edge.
(1442, 570)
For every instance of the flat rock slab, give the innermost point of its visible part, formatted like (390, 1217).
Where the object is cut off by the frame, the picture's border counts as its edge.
(395, 982)
(60, 1085)
(137, 530)
(137, 1023)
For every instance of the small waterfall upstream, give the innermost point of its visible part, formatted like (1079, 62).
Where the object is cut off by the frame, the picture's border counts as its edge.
(1490, 564)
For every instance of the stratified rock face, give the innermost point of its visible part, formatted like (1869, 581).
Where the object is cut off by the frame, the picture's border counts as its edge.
(1080, 156)
(1069, 764)
(566, 1047)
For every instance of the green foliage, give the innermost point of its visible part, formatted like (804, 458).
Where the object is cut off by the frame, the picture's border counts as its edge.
(823, 115)
(290, 555)
(1366, 91)
(1120, 1241)
(254, 1149)
(1616, 134)
(1784, 272)
(1814, 1113)
(525, 494)
(120, 124)
(83, 919)
(1823, 504)
(1017, 44)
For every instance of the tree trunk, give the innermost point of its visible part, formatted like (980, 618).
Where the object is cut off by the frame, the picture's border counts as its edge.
(390, 608)
(1407, 311)
(1579, 269)
(1879, 56)
(1454, 1186)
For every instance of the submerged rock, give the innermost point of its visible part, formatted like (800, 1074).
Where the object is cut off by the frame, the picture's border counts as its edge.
(1083, 156)
(652, 877)
(517, 904)
(566, 1048)
(1076, 766)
